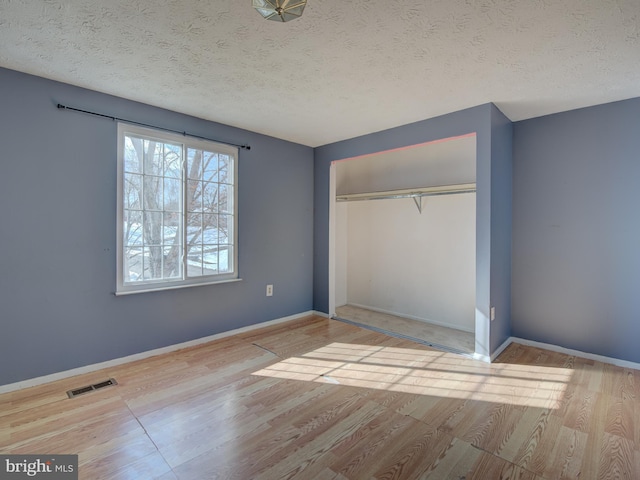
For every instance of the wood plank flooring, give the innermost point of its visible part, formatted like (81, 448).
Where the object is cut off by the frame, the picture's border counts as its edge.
(425, 332)
(321, 399)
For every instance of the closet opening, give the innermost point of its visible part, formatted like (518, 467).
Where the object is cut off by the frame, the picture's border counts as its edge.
(403, 243)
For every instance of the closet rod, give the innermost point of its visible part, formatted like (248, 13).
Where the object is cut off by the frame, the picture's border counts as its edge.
(409, 193)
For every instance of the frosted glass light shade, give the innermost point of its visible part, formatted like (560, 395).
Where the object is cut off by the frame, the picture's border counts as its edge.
(280, 10)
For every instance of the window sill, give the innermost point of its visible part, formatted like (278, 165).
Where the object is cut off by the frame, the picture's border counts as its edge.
(175, 287)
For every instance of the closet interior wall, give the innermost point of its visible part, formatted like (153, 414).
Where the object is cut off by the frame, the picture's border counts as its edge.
(394, 257)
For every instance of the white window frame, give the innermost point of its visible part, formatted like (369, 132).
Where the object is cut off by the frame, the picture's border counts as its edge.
(127, 287)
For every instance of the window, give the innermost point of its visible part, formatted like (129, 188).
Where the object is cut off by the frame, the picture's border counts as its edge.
(177, 215)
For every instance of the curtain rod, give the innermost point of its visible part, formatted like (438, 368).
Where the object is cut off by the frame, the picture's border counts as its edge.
(111, 117)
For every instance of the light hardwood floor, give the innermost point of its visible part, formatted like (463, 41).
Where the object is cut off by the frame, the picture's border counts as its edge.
(321, 399)
(422, 331)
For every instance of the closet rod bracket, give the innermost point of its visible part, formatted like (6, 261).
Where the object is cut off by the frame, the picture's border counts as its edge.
(418, 200)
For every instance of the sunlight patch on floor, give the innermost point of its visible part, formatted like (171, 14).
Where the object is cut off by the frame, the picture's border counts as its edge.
(425, 372)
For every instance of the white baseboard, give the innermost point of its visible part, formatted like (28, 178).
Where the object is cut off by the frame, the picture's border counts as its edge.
(199, 341)
(32, 382)
(412, 317)
(482, 358)
(555, 348)
(501, 349)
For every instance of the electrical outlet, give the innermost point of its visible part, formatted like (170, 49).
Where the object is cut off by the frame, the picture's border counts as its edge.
(269, 290)
(493, 313)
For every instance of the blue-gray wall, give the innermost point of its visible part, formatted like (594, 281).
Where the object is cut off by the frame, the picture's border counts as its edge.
(561, 264)
(58, 235)
(492, 135)
(501, 215)
(576, 230)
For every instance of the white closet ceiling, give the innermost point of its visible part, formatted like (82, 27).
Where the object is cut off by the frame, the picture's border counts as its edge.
(345, 68)
(450, 162)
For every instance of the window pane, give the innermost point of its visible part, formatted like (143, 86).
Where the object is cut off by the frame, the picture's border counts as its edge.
(132, 264)
(194, 261)
(225, 169)
(152, 228)
(225, 228)
(209, 259)
(132, 228)
(225, 259)
(132, 191)
(172, 264)
(194, 228)
(225, 202)
(210, 229)
(173, 161)
(132, 154)
(152, 193)
(194, 196)
(210, 167)
(210, 197)
(194, 164)
(152, 263)
(172, 194)
(153, 158)
(171, 228)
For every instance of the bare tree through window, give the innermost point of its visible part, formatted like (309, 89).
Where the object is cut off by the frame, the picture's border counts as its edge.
(177, 211)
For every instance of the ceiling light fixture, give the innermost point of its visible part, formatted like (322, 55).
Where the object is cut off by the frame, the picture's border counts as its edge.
(280, 10)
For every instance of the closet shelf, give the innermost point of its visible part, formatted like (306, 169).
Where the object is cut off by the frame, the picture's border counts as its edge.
(415, 193)
(409, 193)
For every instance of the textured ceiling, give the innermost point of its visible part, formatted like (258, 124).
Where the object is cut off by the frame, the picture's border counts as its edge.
(345, 68)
